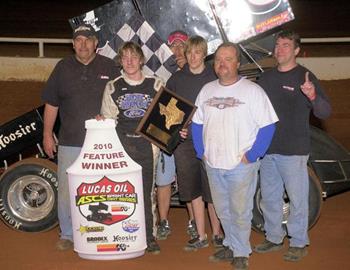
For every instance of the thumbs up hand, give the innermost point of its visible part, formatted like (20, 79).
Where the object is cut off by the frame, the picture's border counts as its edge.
(308, 88)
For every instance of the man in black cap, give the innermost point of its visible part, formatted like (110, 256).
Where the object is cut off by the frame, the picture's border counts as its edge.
(74, 92)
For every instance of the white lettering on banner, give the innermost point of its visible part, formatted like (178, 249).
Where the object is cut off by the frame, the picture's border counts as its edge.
(121, 188)
(7, 218)
(49, 175)
(16, 134)
(96, 189)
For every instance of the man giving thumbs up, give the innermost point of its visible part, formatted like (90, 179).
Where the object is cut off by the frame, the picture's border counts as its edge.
(294, 92)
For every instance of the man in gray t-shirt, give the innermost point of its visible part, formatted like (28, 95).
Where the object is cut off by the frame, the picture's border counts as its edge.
(74, 92)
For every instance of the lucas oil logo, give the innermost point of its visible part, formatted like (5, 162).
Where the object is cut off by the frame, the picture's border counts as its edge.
(106, 202)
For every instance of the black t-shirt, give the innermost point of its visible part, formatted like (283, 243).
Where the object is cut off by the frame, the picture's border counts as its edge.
(77, 90)
(292, 108)
(188, 85)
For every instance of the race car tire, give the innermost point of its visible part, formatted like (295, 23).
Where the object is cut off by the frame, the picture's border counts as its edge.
(315, 204)
(28, 195)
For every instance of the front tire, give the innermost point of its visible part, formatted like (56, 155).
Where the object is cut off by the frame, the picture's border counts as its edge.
(315, 204)
(28, 195)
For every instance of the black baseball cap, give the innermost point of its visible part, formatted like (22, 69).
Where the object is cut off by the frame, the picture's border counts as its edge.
(85, 30)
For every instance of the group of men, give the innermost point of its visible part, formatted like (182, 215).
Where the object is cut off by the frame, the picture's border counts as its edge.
(238, 128)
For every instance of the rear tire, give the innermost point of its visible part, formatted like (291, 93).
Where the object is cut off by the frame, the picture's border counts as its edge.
(28, 195)
(315, 204)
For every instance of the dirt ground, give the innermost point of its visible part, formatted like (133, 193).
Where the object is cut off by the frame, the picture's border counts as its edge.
(329, 249)
(330, 238)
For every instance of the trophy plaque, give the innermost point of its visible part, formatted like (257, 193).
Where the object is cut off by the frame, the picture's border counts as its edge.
(165, 117)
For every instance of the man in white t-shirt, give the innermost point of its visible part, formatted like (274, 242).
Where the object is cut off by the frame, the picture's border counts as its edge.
(232, 128)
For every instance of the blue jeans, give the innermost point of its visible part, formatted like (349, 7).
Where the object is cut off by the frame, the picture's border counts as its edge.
(165, 170)
(233, 193)
(279, 172)
(66, 156)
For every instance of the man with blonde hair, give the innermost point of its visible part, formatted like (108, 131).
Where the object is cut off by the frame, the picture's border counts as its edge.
(166, 171)
(192, 180)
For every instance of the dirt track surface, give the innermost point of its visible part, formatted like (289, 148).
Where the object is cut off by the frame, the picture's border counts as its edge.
(330, 238)
(329, 249)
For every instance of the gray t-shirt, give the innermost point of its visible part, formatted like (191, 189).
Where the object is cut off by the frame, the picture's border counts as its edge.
(77, 89)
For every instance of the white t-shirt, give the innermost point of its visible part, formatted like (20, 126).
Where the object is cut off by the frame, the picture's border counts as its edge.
(231, 117)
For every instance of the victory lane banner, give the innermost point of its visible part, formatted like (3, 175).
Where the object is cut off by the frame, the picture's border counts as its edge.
(165, 117)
